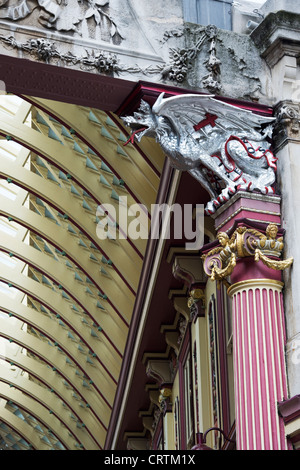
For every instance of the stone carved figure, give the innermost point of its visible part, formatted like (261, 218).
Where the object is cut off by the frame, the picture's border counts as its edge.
(64, 15)
(51, 12)
(20, 9)
(222, 146)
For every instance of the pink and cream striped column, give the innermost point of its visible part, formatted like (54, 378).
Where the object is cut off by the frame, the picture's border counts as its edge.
(259, 363)
(258, 331)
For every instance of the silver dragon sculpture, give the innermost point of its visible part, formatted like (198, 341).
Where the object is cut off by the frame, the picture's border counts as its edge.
(221, 145)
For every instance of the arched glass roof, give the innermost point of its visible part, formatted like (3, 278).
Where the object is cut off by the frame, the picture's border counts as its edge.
(67, 295)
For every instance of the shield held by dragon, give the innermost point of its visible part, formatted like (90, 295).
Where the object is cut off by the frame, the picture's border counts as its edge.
(224, 147)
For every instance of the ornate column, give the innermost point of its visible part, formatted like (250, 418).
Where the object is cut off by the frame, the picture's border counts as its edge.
(259, 363)
(248, 259)
(278, 40)
(227, 149)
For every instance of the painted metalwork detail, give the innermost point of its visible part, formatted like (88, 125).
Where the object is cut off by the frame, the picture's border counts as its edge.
(259, 363)
(219, 263)
(196, 302)
(213, 363)
(51, 257)
(271, 246)
(224, 147)
(195, 364)
(176, 424)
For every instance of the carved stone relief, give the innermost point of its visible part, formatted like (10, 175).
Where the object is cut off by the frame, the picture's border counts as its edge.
(46, 51)
(187, 55)
(214, 60)
(287, 127)
(78, 16)
(182, 60)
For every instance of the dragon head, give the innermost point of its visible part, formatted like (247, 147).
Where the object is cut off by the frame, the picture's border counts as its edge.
(143, 122)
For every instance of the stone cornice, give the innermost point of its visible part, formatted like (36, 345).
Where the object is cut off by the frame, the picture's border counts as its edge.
(278, 35)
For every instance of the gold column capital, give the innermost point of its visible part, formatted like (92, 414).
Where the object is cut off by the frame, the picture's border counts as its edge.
(219, 263)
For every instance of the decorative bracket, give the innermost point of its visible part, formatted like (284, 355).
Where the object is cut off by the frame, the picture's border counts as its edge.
(160, 371)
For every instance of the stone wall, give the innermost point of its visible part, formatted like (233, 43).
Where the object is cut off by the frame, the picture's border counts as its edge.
(135, 41)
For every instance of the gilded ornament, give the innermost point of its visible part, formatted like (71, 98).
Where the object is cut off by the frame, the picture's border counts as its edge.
(271, 263)
(164, 393)
(195, 296)
(220, 262)
(164, 397)
(220, 274)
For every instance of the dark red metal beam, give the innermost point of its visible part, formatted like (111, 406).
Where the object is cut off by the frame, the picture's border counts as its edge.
(28, 77)
(150, 91)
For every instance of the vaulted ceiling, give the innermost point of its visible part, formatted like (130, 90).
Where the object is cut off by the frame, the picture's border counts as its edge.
(67, 296)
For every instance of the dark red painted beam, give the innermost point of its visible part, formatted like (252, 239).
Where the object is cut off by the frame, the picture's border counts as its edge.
(31, 78)
(27, 77)
(150, 91)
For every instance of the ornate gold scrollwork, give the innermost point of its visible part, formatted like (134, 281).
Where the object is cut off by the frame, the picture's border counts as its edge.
(218, 274)
(196, 302)
(271, 263)
(220, 262)
(196, 295)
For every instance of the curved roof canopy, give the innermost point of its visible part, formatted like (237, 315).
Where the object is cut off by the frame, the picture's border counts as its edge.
(67, 292)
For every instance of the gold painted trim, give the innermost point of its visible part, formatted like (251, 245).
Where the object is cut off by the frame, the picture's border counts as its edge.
(254, 283)
(271, 263)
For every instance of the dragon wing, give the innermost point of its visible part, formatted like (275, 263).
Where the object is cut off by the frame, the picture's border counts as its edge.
(191, 113)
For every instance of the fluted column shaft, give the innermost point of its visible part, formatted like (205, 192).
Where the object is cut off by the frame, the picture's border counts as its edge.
(259, 363)
(250, 260)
